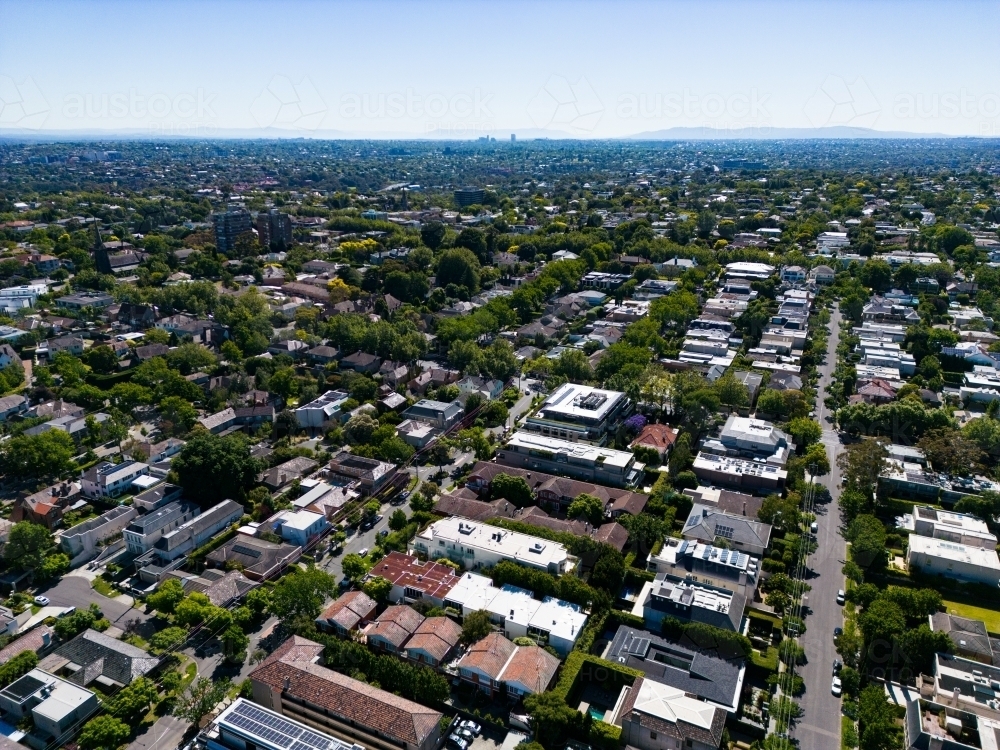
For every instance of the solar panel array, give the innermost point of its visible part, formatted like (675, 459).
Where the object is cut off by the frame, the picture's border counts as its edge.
(277, 730)
(726, 532)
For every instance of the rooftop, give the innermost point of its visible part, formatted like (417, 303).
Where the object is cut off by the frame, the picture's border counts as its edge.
(268, 730)
(573, 402)
(578, 452)
(984, 558)
(532, 550)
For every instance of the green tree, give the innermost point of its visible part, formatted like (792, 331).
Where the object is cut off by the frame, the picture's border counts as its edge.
(102, 359)
(303, 592)
(133, 701)
(398, 520)
(587, 508)
(200, 698)
(511, 488)
(167, 596)
(283, 382)
(804, 432)
(867, 537)
(26, 546)
(432, 234)
(458, 266)
(177, 416)
(476, 626)
(53, 566)
(168, 639)
(48, 454)
(360, 428)
(103, 733)
(948, 450)
(354, 566)
(378, 588)
(235, 643)
(211, 468)
(551, 718)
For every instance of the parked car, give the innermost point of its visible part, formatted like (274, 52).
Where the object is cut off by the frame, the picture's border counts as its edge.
(465, 734)
(42, 601)
(471, 726)
(837, 632)
(363, 551)
(840, 596)
(384, 533)
(836, 667)
(457, 742)
(835, 687)
(345, 583)
(814, 527)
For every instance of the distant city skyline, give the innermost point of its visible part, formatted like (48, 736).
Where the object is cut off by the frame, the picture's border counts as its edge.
(465, 70)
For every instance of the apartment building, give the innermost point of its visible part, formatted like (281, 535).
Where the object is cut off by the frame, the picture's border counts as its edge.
(705, 563)
(579, 460)
(738, 472)
(749, 438)
(111, 480)
(194, 533)
(960, 528)
(144, 531)
(688, 601)
(580, 414)
(81, 542)
(959, 561)
(475, 545)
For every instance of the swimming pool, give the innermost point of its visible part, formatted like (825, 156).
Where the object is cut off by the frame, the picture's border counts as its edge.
(596, 714)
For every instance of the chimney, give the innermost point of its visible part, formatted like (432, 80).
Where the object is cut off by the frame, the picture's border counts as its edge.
(288, 683)
(954, 696)
(46, 638)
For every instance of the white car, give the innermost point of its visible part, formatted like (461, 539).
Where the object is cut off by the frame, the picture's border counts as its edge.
(814, 527)
(840, 596)
(835, 687)
(42, 601)
(363, 551)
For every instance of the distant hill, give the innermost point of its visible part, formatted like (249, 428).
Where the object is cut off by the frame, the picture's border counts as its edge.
(774, 134)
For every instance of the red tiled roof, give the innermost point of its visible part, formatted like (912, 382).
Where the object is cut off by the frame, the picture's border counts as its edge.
(435, 636)
(531, 666)
(295, 648)
(34, 640)
(612, 533)
(657, 436)
(350, 609)
(489, 656)
(346, 699)
(395, 625)
(430, 578)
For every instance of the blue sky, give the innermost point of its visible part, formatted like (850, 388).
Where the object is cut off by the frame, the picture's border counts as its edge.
(410, 68)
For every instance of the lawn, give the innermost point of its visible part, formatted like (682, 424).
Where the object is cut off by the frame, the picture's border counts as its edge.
(848, 734)
(990, 616)
(769, 662)
(104, 588)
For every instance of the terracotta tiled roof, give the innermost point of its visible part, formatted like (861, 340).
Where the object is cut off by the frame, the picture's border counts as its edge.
(395, 625)
(350, 609)
(612, 533)
(657, 436)
(295, 648)
(489, 656)
(432, 579)
(531, 666)
(344, 698)
(435, 636)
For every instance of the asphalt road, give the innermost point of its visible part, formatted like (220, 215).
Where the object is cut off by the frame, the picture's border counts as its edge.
(819, 726)
(76, 591)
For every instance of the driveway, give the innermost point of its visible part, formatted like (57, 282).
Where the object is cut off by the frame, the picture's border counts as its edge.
(819, 726)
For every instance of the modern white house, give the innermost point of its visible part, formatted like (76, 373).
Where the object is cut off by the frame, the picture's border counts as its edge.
(191, 535)
(55, 706)
(111, 480)
(143, 532)
(324, 409)
(299, 527)
(959, 561)
(81, 542)
(475, 545)
(580, 414)
(960, 528)
(529, 450)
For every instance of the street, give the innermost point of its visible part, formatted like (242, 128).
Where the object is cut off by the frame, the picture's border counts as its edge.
(819, 726)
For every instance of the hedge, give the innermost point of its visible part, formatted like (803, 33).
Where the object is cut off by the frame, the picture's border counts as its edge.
(575, 662)
(17, 667)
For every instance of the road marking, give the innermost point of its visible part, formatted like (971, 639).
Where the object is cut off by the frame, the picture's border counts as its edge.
(817, 730)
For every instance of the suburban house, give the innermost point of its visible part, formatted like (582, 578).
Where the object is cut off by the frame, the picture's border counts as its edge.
(495, 661)
(81, 542)
(391, 629)
(351, 611)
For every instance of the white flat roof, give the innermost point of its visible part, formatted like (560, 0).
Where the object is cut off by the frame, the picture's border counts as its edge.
(672, 705)
(472, 592)
(512, 545)
(301, 520)
(513, 604)
(580, 402)
(559, 618)
(984, 558)
(582, 451)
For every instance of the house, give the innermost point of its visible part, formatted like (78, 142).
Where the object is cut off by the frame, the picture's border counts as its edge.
(7, 355)
(394, 373)
(38, 639)
(68, 344)
(324, 409)
(413, 580)
(391, 629)
(709, 524)
(361, 362)
(488, 389)
(291, 683)
(958, 561)
(259, 559)
(822, 275)
(785, 381)
(437, 413)
(79, 301)
(194, 533)
(793, 274)
(657, 437)
(151, 350)
(495, 661)
(474, 545)
(55, 706)
(12, 406)
(284, 474)
(417, 434)
(81, 542)
(654, 716)
(93, 656)
(322, 355)
(351, 611)
(971, 639)
(292, 347)
(46, 506)
(942, 725)
(137, 317)
(111, 480)
(688, 601)
(716, 678)
(298, 527)
(749, 438)
(723, 568)
(371, 473)
(434, 640)
(324, 498)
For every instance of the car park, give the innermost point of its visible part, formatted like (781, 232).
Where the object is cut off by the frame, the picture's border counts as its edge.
(841, 597)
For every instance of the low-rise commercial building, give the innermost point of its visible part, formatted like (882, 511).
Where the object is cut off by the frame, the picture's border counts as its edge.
(474, 545)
